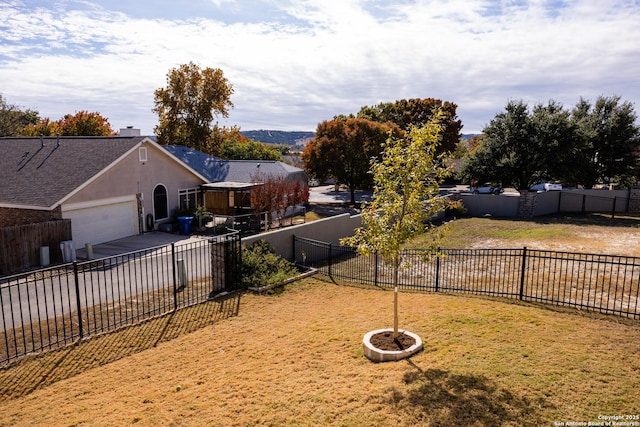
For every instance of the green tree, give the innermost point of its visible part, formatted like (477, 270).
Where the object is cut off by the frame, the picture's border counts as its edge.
(249, 150)
(188, 105)
(342, 149)
(608, 140)
(591, 143)
(505, 154)
(520, 148)
(13, 119)
(228, 143)
(416, 112)
(405, 199)
(554, 142)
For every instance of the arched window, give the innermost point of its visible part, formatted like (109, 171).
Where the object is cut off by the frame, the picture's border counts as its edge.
(160, 202)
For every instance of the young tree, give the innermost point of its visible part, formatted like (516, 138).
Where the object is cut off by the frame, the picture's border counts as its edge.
(405, 198)
(342, 149)
(276, 193)
(188, 105)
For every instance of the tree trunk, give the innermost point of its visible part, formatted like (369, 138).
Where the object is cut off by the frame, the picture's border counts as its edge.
(395, 299)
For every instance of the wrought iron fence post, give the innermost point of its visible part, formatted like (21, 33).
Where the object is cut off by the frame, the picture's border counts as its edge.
(175, 276)
(375, 274)
(293, 248)
(437, 270)
(330, 260)
(76, 279)
(522, 272)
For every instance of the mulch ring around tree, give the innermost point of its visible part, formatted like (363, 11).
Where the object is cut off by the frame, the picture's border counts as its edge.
(385, 341)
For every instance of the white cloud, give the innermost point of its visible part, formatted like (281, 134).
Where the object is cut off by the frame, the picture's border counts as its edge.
(324, 57)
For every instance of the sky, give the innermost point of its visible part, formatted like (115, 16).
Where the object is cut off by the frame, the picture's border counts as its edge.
(295, 63)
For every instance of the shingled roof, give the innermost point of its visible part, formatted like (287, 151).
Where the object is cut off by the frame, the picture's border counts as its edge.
(40, 173)
(216, 169)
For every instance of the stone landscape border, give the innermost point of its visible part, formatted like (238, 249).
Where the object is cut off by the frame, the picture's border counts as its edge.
(378, 355)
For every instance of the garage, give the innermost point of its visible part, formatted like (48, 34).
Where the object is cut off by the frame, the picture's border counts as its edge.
(101, 221)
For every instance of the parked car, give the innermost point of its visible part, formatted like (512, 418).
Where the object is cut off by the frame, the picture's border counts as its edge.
(487, 188)
(546, 186)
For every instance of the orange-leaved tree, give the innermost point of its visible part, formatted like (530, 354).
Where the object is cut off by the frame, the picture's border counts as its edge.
(342, 149)
(82, 123)
(274, 194)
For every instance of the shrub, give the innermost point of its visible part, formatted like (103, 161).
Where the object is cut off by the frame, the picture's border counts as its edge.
(455, 208)
(262, 267)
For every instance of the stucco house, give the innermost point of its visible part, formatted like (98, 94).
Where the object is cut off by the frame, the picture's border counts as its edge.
(109, 187)
(229, 182)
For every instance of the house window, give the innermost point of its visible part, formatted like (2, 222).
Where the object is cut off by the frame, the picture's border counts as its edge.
(142, 154)
(160, 202)
(188, 198)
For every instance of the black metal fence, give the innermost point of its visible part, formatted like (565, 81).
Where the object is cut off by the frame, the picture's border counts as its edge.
(604, 283)
(254, 223)
(52, 307)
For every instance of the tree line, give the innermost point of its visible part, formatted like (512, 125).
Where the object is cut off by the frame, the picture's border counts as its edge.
(343, 147)
(594, 142)
(15, 121)
(588, 144)
(187, 108)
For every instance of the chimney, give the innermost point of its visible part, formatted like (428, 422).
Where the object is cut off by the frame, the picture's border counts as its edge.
(41, 141)
(57, 140)
(129, 131)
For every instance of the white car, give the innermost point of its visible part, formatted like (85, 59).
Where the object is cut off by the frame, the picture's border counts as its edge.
(487, 189)
(546, 186)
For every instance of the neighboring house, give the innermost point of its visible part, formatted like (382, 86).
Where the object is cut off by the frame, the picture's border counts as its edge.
(228, 191)
(110, 187)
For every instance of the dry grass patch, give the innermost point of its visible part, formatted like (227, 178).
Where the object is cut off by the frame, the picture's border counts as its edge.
(595, 233)
(295, 358)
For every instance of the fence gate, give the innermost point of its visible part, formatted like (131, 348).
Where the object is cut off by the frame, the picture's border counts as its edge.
(225, 259)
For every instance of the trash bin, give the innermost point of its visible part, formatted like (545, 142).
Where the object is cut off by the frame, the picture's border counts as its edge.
(44, 256)
(184, 225)
(68, 252)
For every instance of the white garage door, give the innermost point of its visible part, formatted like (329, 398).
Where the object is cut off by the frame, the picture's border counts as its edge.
(102, 221)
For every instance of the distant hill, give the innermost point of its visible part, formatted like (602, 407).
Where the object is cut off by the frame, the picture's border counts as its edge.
(300, 138)
(281, 137)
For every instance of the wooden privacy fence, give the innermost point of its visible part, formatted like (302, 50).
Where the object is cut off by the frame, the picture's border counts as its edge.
(20, 244)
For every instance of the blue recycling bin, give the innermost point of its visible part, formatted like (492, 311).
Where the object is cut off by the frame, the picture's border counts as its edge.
(184, 225)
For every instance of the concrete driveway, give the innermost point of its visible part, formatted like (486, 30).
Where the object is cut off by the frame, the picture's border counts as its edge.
(326, 194)
(135, 243)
